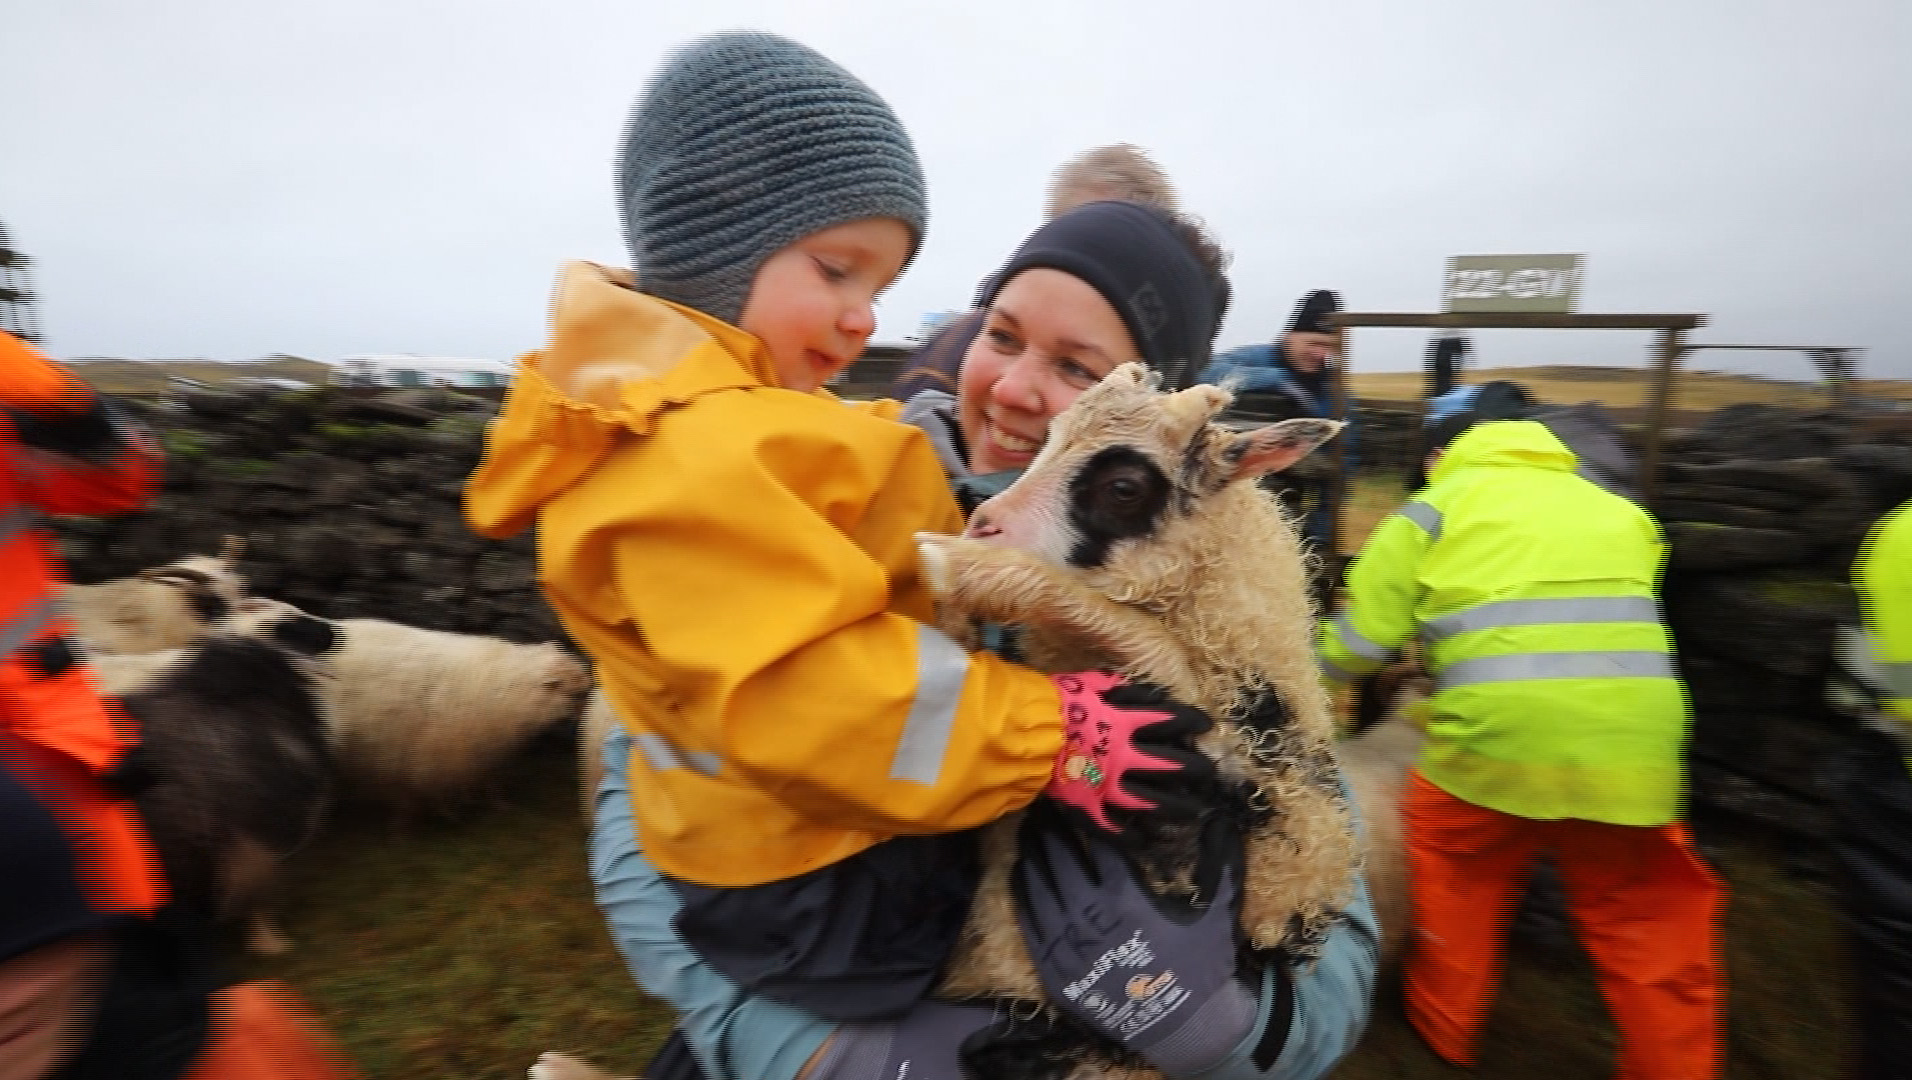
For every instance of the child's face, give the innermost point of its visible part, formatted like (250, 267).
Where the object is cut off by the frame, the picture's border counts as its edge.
(812, 303)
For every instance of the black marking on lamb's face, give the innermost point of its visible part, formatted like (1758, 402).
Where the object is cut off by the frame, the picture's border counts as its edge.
(1202, 472)
(201, 591)
(210, 606)
(305, 634)
(1117, 494)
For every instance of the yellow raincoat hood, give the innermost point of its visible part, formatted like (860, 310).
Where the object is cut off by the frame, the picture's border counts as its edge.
(616, 359)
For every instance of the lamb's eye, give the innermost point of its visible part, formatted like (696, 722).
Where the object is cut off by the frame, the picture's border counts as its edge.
(1125, 489)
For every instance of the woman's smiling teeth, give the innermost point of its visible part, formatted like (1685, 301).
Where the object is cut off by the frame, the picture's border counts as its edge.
(1012, 443)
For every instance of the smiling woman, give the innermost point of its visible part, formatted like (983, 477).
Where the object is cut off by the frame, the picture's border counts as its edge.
(1102, 285)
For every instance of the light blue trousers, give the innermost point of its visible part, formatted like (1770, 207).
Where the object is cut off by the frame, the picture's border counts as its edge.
(740, 1036)
(734, 1035)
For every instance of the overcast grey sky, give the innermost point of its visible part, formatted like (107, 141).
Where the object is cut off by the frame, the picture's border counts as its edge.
(230, 179)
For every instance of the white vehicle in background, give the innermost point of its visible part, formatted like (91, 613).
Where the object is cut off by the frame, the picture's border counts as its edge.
(408, 370)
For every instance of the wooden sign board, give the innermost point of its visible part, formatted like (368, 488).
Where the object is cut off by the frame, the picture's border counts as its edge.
(1511, 283)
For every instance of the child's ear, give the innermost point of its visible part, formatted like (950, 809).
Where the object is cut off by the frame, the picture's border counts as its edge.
(1275, 447)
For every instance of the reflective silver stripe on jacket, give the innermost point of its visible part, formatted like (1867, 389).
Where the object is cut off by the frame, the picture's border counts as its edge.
(1345, 632)
(1523, 667)
(16, 523)
(33, 619)
(1898, 678)
(1335, 671)
(1578, 609)
(662, 754)
(942, 667)
(1424, 515)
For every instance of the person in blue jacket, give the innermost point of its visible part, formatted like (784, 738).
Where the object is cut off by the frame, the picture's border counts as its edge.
(1293, 377)
(1296, 366)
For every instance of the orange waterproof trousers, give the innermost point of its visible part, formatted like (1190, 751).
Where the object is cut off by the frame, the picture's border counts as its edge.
(260, 1031)
(1648, 910)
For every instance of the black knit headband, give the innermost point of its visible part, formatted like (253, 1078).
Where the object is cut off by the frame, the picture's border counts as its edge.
(1135, 257)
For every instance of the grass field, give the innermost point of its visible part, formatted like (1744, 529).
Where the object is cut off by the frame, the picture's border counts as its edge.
(463, 949)
(1569, 385)
(149, 376)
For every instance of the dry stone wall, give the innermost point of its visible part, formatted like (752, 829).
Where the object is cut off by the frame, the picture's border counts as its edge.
(1765, 510)
(349, 506)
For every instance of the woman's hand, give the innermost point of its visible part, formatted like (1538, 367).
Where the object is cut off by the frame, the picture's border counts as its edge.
(1155, 973)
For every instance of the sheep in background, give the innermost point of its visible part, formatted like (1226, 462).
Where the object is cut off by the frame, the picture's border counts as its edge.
(423, 715)
(1376, 763)
(165, 607)
(232, 732)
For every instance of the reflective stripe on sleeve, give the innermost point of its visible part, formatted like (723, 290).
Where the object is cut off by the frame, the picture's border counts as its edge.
(1335, 672)
(942, 667)
(1424, 515)
(1522, 667)
(1898, 677)
(1577, 609)
(16, 523)
(30, 621)
(662, 754)
(1360, 646)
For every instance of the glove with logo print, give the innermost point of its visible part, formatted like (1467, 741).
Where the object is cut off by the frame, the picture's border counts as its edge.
(1156, 974)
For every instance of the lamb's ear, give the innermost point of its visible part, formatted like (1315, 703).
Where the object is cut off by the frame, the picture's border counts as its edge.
(1273, 448)
(1196, 405)
(233, 549)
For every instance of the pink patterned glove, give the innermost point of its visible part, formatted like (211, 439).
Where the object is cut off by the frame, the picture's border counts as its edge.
(1126, 747)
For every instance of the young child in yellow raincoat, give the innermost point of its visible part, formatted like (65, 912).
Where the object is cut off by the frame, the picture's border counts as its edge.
(733, 546)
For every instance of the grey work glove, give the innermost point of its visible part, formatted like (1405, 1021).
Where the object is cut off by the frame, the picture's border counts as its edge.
(1156, 974)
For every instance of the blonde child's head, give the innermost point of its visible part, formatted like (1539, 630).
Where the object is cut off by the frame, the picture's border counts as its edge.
(762, 184)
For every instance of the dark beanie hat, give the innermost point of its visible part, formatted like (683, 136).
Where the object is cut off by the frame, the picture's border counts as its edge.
(1311, 314)
(1444, 359)
(41, 900)
(1137, 258)
(743, 144)
(1451, 414)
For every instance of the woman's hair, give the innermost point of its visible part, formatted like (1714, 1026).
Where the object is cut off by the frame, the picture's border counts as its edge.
(1209, 252)
(1122, 172)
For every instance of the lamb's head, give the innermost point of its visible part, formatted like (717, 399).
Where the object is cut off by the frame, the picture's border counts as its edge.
(1126, 467)
(282, 625)
(563, 684)
(211, 583)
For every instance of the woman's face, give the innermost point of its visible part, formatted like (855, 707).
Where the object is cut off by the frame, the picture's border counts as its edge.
(1048, 337)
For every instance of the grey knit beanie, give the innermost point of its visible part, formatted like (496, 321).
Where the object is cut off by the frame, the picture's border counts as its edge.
(743, 144)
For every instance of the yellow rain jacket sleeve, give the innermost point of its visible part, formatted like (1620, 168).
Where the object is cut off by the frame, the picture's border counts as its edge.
(739, 562)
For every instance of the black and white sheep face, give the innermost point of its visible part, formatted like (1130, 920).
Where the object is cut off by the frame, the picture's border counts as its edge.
(283, 625)
(212, 583)
(1126, 462)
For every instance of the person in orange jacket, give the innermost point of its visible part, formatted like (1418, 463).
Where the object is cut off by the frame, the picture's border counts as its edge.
(99, 976)
(63, 450)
